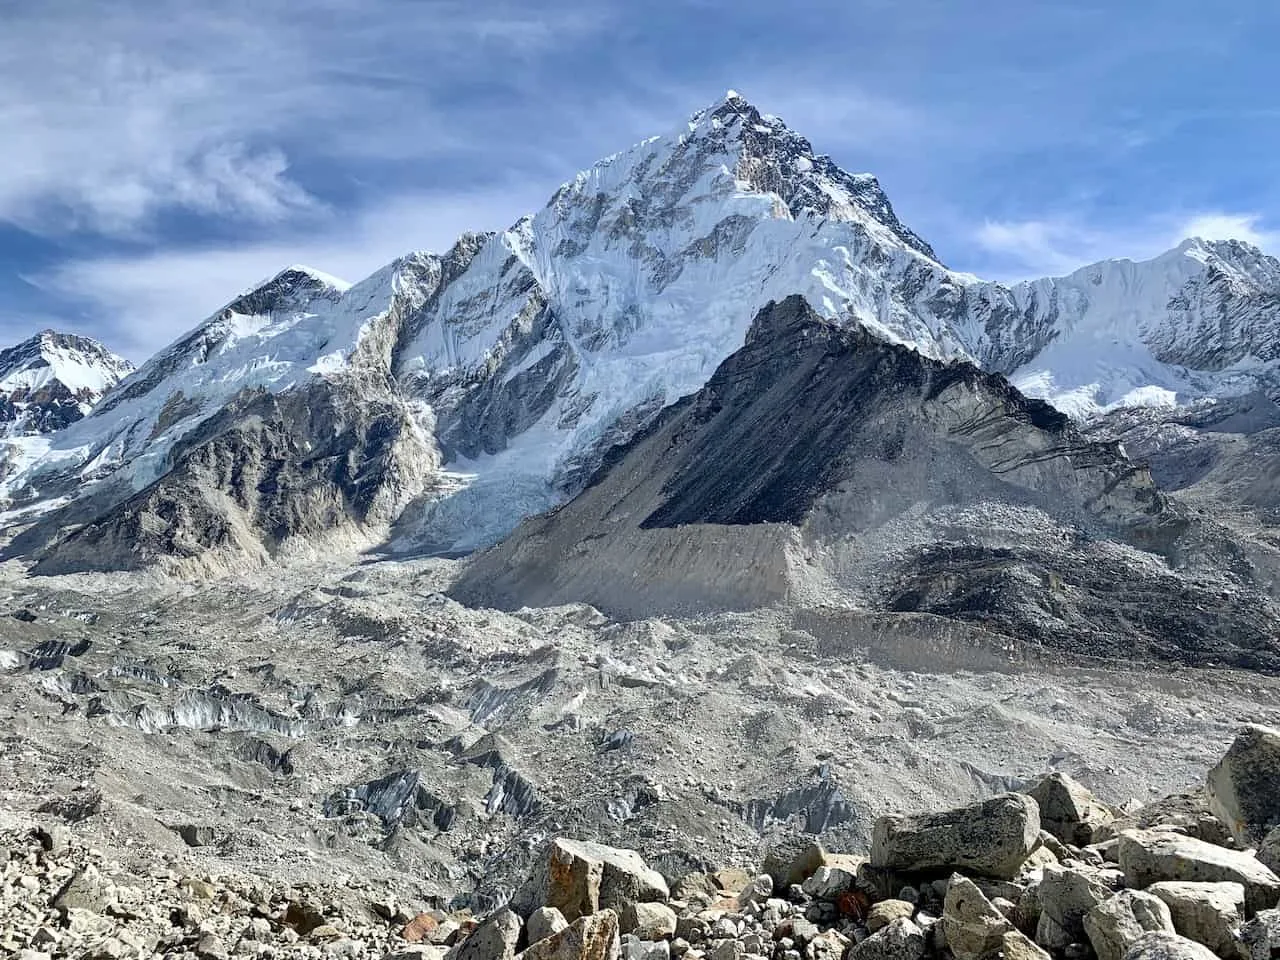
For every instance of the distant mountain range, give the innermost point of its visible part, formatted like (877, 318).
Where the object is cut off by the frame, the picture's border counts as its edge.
(432, 406)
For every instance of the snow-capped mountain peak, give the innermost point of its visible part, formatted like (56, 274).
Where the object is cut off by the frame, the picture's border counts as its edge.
(775, 159)
(1201, 319)
(53, 379)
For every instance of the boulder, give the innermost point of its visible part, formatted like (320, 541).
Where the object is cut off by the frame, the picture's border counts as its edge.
(1149, 856)
(1269, 851)
(792, 861)
(1069, 811)
(1166, 946)
(829, 945)
(1244, 788)
(696, 888)
(899, 940)
(649, 921)
(731, 879)
(886, 911)
(633, 948)
(578, 878)
(593, 937)
(758, 890)
(834, 877)
(1119, 922)
(1015, 945)
(992, 838)
(1260, 937)
(495, 939)
(973, 928)
(84, 890)
(1066, 895)
(544, 922)
(1208, 913)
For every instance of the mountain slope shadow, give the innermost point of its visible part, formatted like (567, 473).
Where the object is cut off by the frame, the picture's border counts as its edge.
(821, 465)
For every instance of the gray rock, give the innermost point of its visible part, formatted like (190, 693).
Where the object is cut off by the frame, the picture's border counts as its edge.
(587, 938)
(1066, 895)
(829, 945)
(579, 878)
(1114, 925)
(793, 861)
(1016, 945)
(1260, 937)
(993, 838)
(1166, 946)
(1269, 851)
(1069, 811)
(495, 939)
(1244, 788)
(544, 922)
(837, 874)
(899, 940)
(758, 890)
(1149, 856)
(633, 948)
(1208, 913)
(972, 926)
(649, 921)
(84, 890)
(695, 887)
(886, 911)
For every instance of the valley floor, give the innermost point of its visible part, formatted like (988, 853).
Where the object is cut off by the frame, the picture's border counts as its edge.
(330, 721)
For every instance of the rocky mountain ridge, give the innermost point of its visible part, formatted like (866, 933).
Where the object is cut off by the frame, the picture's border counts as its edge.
(822, 467)
(516, 360)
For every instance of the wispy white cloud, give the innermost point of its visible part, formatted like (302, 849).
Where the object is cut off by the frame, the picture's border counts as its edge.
(1231, 226)
(113, 116)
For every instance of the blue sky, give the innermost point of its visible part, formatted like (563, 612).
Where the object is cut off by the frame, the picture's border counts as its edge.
(161, 156)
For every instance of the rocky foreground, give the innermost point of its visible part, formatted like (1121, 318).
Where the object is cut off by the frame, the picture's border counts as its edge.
(1052, 872)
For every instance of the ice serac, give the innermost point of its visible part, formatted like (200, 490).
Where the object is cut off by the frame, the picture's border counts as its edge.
(822, 466)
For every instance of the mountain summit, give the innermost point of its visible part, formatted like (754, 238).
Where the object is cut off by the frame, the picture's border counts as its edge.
(54, 379)
(491, 381)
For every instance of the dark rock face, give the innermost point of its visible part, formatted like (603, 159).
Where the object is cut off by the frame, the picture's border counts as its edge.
(820, 465)
(398, 799)
(264, 470)
(828, 389)
(817, 807)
